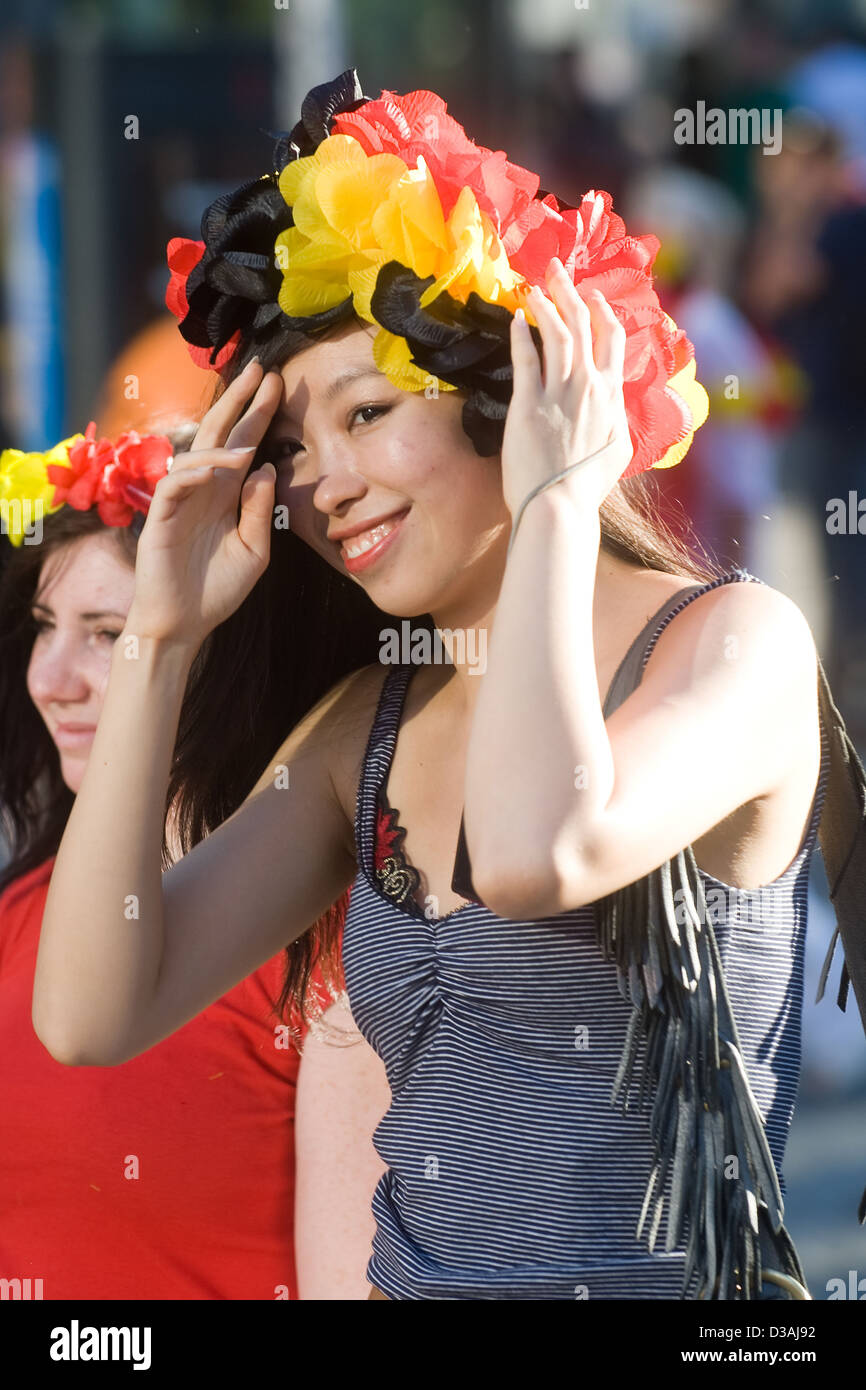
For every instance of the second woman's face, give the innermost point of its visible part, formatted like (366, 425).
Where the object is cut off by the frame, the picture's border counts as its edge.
(83, 596)
(394, 469)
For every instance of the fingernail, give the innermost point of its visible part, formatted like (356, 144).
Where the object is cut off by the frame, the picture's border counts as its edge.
(243, 449)
(519, 316)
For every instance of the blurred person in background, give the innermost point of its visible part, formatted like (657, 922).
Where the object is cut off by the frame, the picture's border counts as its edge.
(577, 131)
(173, 1175)
(804, 281)
(732, 491)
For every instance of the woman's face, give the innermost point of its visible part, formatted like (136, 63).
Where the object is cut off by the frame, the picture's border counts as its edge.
(83, 596)
(362, 456)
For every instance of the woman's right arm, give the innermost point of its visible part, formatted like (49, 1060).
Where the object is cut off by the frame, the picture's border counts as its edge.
(128, 954)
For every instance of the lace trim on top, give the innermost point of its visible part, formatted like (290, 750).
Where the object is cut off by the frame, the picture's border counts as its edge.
(398, 879)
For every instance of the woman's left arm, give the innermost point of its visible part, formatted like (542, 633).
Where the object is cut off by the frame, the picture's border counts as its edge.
(562, 807)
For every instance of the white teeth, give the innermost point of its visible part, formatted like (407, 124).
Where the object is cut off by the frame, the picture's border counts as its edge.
(358, 545)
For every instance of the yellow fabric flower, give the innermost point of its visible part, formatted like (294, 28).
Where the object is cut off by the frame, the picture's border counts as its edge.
(692, 392)
(333, 195)
(24, 482)
(354, 213)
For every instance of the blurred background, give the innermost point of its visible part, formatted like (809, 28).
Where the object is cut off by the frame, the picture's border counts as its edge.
(120, 120)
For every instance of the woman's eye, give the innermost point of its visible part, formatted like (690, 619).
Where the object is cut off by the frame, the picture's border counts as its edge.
(285, 448)
(377, 409)
(40, 624)
(289, 448)
(104, 632)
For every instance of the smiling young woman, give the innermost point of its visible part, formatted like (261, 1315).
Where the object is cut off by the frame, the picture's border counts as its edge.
(480, 427)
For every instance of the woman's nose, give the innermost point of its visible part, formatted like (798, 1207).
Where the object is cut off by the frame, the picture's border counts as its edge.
(58, 670)
(339, 480)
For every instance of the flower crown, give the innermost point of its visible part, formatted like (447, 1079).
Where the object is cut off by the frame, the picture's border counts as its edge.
(117, 478)
(386, 209)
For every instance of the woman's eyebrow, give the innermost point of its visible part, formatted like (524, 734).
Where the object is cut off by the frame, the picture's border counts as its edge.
(88, 617)
(354, 374)
(283, 418)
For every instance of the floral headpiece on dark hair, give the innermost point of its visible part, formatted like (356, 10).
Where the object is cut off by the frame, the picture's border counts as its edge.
(387, 210)
(117, 477)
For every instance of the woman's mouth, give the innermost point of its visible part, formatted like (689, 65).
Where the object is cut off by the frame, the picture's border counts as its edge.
(74, 735)
(361, 551)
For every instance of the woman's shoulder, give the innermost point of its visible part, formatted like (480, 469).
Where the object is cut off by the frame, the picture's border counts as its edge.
(751, 610)
(754, 611)
(752, 646)
(349, 706)
(347, 714)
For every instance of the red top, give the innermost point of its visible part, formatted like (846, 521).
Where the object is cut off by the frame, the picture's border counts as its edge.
(168, 1177)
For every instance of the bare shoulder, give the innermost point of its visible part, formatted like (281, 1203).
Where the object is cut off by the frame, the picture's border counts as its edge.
(347, 714)
(743, 620)
(747, 652)
(330, 741)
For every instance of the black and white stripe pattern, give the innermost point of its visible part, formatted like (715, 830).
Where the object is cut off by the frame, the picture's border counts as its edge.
(509, 1173)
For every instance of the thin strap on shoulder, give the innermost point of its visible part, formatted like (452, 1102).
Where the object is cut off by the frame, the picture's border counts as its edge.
(630, 669)
(378, 754)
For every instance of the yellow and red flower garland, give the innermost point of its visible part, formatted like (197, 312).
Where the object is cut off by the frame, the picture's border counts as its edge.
(398, 180)
(116, 477)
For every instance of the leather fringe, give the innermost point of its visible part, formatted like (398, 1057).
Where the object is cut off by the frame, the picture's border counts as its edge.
(705, 1126)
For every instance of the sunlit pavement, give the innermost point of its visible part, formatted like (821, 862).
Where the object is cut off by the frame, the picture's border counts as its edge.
(825, 1171)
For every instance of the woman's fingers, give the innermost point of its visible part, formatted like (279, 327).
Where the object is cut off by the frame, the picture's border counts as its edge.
(257, 511)
(216, 462)
(223, 415)
(575, 315)
(524, 359)
(556, 339)
(253, 424)
(609, 338)
(209, 466)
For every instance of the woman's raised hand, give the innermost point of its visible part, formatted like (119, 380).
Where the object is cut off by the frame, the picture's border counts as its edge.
(197, 560)
(573, 407)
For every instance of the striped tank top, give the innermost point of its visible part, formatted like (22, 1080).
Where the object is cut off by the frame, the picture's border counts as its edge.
(509, 1173)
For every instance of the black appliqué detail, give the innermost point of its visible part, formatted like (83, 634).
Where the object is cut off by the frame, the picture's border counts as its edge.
(400, 880)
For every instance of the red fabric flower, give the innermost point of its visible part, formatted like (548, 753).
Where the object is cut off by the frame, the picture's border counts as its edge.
(593, 245)
(183, 255)
(117, 478)
(139, 463)
(78, 484)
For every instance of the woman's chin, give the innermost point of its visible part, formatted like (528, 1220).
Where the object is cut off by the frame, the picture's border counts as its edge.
(72, 769)
(394, 601)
